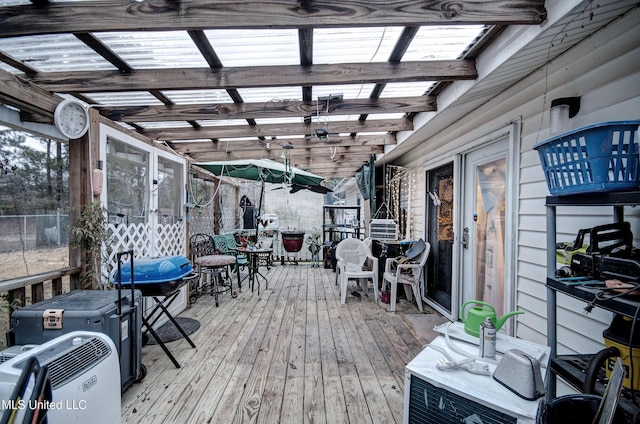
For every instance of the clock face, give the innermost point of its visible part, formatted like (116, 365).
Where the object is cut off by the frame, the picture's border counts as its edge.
(71, 118)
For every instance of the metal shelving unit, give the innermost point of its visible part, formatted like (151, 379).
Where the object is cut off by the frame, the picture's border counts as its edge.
(339, 222)
(572, 367)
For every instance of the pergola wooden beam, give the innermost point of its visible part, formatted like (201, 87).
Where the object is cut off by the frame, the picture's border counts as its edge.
(26, 96)
(282, 109)
(269, 130)
(254, 77)
(191, 147)
(320, 153)
(315, 152)
(165, 15)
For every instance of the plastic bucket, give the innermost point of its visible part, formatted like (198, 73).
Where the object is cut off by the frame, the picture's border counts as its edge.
(574, 409)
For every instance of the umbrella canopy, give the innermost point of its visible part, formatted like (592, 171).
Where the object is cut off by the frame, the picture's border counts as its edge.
(265, 170)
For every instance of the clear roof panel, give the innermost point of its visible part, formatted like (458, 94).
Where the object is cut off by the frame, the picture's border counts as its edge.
(288, 120)
(353, 45)
(270, 94)
(406, 89)
(221, 122)
(349, 91)
(183, 97)
(376, 116)
(52, 53)
(442, 42)
(167, 124)
(131, 98)
(154, 50)
(237, 48)
(14, 2)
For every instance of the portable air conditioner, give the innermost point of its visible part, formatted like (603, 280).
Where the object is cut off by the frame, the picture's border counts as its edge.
(434, 396)
(85, 379)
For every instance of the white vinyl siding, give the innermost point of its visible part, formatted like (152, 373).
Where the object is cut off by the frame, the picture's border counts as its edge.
(604, 71)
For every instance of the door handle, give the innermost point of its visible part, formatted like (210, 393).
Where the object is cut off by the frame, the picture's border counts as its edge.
(465, 237)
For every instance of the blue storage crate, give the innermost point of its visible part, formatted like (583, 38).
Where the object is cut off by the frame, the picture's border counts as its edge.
(596, 158)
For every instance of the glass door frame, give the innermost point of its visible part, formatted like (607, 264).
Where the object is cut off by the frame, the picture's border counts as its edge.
(154, 152)
(510, 135)
(512, 132)
(455, 260)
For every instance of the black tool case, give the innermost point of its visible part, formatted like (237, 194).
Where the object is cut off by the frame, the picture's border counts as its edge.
(118, 315)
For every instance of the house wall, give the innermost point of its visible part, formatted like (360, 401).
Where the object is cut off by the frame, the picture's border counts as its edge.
(604, 70)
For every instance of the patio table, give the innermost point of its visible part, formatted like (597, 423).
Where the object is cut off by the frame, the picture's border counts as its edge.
(253, 257)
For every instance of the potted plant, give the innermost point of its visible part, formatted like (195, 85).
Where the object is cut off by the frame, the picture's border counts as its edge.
(89, 233)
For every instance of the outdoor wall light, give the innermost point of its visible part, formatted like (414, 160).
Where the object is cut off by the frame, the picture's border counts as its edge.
(561, 111)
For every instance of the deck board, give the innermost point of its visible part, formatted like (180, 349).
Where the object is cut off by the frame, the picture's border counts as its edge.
(292, 354)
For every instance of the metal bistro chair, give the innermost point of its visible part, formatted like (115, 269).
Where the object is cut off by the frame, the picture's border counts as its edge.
(210, 265)
(407, 270)
(226, 246)
(351, 255)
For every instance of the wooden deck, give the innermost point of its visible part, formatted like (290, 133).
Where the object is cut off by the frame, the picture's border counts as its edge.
(292, 354)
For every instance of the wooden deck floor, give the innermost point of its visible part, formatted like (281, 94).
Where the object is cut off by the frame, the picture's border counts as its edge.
(292, 354)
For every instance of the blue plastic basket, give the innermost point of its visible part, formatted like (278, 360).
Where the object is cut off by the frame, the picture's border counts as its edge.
(596, 158)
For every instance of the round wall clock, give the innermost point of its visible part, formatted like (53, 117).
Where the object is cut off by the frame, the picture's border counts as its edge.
(71, 118)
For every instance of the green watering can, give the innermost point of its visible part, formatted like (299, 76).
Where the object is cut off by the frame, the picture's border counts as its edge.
(477, 314)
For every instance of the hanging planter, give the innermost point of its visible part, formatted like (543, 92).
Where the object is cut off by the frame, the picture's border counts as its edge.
(292, 240)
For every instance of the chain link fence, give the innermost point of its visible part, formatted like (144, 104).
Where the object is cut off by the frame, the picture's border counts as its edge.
(26, 232)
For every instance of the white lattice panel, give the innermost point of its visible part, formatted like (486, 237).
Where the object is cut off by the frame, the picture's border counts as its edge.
(145, 241)
(205, 224)
(201, 224)
(170, 240)
(131, 236)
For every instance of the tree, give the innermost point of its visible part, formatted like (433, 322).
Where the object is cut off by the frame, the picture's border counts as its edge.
(33, 175)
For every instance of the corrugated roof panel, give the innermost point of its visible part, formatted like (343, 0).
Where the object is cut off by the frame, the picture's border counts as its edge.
(288, 120)
(182, 97)
(221, 122)
(236, 48)
(442, 42)
(130, 98)
(166, 124)
(53, 53)
(154, 50)
(406, 89)
(349, 91)
(14, 2)
(378, 116)
(270, 94)
(353, 45)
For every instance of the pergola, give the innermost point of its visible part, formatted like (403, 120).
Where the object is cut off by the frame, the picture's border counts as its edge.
(218, 80)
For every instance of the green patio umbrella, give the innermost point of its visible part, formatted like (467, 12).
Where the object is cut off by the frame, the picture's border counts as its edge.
(264, 170)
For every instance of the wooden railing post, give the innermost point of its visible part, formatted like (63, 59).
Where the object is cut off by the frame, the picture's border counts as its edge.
(56, 286)
(37, 293)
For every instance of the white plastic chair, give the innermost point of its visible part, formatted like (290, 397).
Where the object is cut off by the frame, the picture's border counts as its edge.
(351, 255)
(409, 274)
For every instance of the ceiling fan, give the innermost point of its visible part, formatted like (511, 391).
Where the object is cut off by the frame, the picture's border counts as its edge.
(322, 131)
